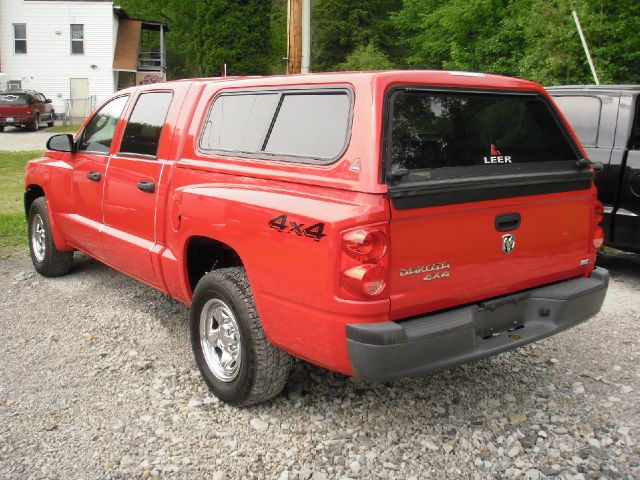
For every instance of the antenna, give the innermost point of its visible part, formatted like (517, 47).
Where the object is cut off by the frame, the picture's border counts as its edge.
(584, 45)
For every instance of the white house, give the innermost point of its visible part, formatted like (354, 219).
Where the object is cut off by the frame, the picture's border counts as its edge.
(77, 52)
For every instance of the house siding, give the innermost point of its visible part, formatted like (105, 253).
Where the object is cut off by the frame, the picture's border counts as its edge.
(48, 64)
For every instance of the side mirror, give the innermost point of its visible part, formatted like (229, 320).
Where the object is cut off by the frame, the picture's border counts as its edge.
(47, 100)
(61, 143)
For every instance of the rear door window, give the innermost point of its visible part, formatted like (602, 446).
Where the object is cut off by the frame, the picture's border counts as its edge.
(448, 133)
(142, 133)
(304, 126)
(583, 113)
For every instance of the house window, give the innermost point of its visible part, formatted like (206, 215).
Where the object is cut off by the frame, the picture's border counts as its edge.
(77, 39)
(20, 37)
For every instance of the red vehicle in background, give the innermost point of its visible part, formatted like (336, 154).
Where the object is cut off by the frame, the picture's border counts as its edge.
(25, 108)
(379, 224)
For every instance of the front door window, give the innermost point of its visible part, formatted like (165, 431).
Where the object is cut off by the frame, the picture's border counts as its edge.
(98, 134)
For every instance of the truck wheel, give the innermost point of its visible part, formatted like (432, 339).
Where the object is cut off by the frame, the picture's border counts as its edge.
(35, 124)
(236, 360)
(47, 259)
(51, 121)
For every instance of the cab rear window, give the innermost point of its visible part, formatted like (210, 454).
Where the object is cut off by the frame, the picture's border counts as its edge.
(445, 130)
(15, 99)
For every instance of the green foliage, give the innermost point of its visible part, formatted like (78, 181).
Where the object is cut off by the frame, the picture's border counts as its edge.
(278, 63)
(235, 33)
(535, 39)
(338, 27)
(205, 34)
(366, 58)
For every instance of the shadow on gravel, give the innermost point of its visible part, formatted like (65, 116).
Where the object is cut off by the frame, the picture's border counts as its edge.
(620, 264)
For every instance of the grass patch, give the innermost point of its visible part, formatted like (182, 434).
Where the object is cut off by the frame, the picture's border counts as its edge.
(13, 226)
(64, 129)
(13, 232)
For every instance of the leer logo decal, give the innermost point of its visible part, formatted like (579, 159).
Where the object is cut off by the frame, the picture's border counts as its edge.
(496, 156)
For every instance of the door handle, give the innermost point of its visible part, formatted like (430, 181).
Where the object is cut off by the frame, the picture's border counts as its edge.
(94, 176)
(146, 186)
(507, 222)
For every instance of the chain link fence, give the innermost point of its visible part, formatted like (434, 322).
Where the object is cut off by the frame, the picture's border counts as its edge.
(78, 109)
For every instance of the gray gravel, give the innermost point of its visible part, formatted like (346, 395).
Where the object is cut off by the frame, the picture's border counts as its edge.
(97, 381)
(16, 139)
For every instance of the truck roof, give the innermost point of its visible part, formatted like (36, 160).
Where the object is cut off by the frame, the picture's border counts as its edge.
(437, 77)
(632, 88)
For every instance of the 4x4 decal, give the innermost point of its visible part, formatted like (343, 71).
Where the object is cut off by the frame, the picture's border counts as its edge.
(281, 224)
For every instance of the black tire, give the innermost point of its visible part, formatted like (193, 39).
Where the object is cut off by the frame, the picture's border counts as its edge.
(52, 118)
(35, 124)
(263, 369)
(1, 128)
(48, 261)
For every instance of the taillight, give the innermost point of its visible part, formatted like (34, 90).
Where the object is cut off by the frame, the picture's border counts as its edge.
(365, 244)
(599, 211)
(363, 263)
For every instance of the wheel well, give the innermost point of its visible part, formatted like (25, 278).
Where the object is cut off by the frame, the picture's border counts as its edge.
(205, 254)
(33, 192)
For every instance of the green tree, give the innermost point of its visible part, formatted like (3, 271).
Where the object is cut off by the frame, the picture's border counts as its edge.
(366, 58)
(534, 39)
(338, 27)
(205, 34)
(235, 33)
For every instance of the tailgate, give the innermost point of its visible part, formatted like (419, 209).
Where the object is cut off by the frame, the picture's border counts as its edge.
(487, 198)
(13, 104)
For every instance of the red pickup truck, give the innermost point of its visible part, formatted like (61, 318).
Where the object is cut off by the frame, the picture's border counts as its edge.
(378, 224)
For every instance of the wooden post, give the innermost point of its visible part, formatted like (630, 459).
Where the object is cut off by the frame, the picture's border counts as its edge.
(294, 41)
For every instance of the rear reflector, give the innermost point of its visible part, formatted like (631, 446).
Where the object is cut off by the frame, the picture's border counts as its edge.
(598, 239)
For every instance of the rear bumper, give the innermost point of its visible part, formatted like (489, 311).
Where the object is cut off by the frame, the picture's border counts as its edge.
(17, 120)
(434, 342)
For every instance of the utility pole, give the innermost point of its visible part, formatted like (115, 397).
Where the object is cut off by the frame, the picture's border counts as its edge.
(298, 36)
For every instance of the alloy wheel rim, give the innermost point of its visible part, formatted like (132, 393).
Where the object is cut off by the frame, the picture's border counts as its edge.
(38, 238)
(220, 340)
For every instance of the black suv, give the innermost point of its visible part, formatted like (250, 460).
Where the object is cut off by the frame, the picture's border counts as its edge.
(606, 118)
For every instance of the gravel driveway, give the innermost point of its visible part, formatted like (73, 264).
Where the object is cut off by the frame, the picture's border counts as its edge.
(97, 381)
(17, 139)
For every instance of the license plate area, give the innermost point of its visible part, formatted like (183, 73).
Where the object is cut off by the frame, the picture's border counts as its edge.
(498, 319)
(10, 119)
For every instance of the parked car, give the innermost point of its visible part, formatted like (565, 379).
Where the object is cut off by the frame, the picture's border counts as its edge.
(26, 108)
(376, 224)
(606, 118)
